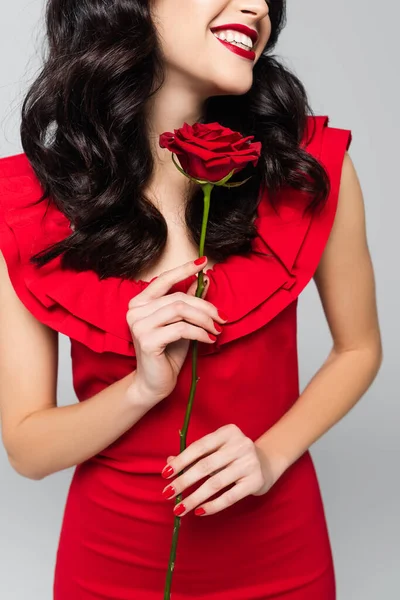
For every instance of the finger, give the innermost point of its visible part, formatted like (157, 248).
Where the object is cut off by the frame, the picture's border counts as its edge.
(136, 313)
(209, 465)
(161, 285)
(156, 340)
(239, 491)
(209, 443)
(228, 476)
(176, 312)
(174, 308)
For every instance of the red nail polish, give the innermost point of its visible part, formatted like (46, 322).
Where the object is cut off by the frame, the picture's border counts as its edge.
(212, 336)
(200, 261)
(169, 492)
(222, 315)
(167, 471)
(179, 509)
(218, 327)
(199, 511)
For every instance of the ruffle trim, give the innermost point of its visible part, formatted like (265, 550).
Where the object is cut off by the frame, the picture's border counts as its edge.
(251, 289)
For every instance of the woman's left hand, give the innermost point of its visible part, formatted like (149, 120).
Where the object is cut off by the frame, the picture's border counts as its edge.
(228, 457)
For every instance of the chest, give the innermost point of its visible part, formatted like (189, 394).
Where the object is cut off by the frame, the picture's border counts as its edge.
(179, 250)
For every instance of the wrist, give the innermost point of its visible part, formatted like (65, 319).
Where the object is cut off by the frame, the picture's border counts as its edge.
(136, 394)
(275, 464)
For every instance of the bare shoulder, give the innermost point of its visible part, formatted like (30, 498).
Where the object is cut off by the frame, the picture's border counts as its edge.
(345, 276)
(347, 243)
(351, 207)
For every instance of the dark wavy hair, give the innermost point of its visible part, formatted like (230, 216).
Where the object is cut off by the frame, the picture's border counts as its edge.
(84, 132)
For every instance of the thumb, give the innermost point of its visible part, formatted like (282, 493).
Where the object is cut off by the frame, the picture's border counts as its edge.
(193, 287)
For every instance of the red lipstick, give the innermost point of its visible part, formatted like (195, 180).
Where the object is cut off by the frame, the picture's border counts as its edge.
(237, 50)
(252, 33)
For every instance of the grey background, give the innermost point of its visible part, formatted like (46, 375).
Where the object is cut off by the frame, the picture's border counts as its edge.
(347, 55)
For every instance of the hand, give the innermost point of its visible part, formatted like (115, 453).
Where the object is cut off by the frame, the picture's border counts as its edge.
(162, 326)
(228, 457)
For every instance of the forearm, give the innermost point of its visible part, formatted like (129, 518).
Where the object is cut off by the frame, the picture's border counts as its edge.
(57, 438)
(331, 393)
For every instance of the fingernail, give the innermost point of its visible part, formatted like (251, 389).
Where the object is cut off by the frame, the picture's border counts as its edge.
(212, 336)
(167, 471)
(200, 261)
(199, 511)
(179, 509)
(222, 315)
(217, 327)
(169, 492)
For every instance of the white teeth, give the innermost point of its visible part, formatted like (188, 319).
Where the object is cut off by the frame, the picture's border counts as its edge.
(229, 35)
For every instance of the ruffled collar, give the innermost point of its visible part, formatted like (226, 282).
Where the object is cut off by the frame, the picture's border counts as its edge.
(250, 289)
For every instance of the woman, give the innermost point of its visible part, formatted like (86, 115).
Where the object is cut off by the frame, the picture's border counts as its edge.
(107, 258)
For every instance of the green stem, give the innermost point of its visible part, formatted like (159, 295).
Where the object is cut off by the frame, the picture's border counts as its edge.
(207, 189)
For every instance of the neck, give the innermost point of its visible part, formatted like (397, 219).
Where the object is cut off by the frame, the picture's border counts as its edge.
(169, 109)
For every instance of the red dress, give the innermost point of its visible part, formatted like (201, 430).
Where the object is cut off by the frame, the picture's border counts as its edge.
(117, 528)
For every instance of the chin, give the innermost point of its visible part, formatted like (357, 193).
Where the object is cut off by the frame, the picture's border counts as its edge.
(233, 86)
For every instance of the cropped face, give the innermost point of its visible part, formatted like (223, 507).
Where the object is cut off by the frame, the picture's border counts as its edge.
(209, 61)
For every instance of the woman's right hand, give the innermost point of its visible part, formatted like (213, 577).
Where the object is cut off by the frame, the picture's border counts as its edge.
(162, 327)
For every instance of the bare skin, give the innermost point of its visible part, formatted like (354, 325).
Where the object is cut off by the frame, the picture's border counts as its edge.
(179, 243)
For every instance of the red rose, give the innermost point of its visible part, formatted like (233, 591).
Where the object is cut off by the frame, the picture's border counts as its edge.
(210, 151)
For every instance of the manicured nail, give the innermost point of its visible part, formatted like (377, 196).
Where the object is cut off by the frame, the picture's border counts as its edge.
(199, 511)
(167, 471)
(222, 315)
(200, 261)
(169, 492)
(179, 509)
(218, 327)
(212, 336)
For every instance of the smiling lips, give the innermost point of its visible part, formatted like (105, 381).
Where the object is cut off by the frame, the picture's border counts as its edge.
(245, 37)
(252, 33)
(249, 54)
